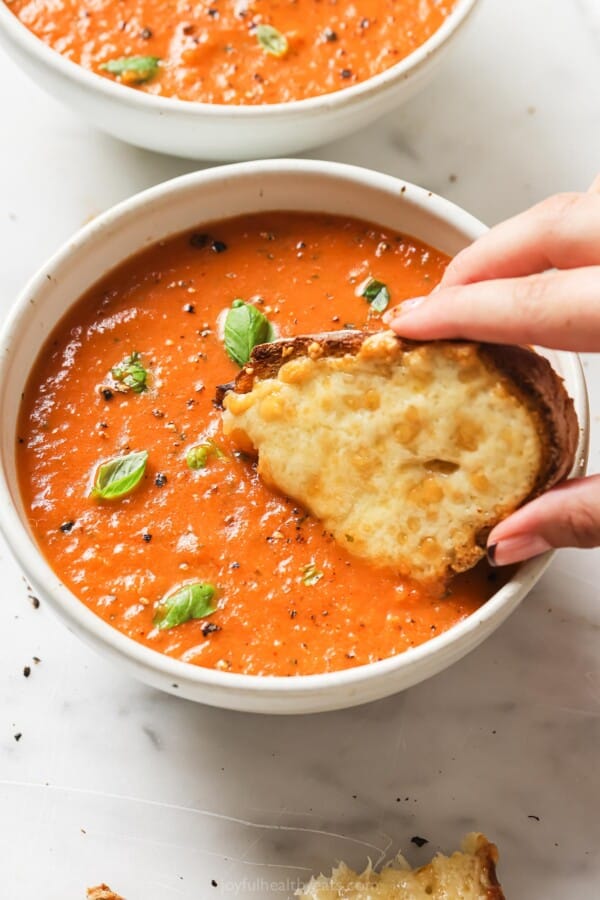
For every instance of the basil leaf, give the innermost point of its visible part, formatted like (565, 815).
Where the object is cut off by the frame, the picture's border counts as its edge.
(377, 294)
(197, 457)
(245, 327)
(133, 69)
(132, 373)
(117, 477)
(192, 601)
(310, 574)
(272, 41)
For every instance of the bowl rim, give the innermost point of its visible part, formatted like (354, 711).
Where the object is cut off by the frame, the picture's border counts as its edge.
(179, 673)
(30, 44)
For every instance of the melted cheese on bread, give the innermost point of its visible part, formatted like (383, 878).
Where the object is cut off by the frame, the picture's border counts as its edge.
(406, 456)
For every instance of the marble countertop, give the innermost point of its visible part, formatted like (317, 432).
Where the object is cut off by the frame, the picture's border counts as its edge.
(112, 781)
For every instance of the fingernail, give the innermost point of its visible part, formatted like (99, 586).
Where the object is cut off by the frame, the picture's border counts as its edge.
(516, 549)
(405, 307)
(409, 305)
(390, 315)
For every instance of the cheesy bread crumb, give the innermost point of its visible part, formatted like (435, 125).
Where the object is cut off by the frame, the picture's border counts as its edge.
(466, 875)
(102, 892)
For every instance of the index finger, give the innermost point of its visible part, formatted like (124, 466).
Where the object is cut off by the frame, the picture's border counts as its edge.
(563, 232)
(555, 309)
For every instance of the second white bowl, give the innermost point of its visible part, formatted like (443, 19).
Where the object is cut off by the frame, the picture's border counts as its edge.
(219, 132)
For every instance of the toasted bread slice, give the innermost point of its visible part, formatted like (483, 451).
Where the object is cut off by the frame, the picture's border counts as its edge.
(466, 875)
(409, 453)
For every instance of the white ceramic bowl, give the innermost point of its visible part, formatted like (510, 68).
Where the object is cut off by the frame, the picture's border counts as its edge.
(221, 132)
(183, 204)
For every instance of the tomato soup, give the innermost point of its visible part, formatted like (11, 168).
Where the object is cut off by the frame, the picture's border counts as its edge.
(243, 52)
(131, 372)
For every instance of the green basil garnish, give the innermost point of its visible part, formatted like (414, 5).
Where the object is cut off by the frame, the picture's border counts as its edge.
(132, 373)
(133, 69)
(245, 327)
(197, 457)
(119, 476)
(192, 601)
(272, 41)
(376, 293)
(310, 574)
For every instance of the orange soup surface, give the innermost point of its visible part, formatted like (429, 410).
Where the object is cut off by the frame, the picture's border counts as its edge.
(289, 599)
(222, 52)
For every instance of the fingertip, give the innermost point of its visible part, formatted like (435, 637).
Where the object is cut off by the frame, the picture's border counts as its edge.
(491, 554)
(389, 316)
(516, 549)
(393, 317)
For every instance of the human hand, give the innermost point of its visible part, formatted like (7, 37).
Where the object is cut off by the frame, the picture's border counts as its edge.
(534, 279)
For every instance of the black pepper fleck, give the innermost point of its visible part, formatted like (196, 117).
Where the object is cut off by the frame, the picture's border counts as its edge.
(209, 628)
(160, 480)
(189, 308)
(330, 35)
(214, 883)
(419, 841)
(27, 671)
(18, 736)
(107, 394)
(346, 73)
(146, 34)
(147, 537)
(34, 602)
(218, 246)
(66, 526)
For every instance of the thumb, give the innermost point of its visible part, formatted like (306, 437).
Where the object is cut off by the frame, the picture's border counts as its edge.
(566, 516)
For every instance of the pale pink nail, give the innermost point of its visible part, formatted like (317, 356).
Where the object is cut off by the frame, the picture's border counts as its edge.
(390, 315)
(516, 549)
(409, 305)
(406, 306)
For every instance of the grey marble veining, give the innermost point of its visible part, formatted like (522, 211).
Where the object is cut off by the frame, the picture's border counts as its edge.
(159, 797)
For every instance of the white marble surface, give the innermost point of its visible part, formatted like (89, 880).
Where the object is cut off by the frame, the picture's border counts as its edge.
(113, 781)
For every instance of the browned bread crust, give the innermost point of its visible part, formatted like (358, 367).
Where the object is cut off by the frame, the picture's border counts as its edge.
(532, 376)
(487, 854)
